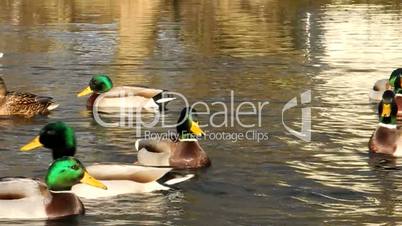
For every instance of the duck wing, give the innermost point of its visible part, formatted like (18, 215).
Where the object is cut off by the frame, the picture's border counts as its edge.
(153, 152)
(140, 174)
(27, 198)
(28, 103)
(123, 91)
(21, 187)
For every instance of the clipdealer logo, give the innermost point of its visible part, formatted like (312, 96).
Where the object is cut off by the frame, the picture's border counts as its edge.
(234, 137)
(305, 133)
(253, 135)
(228, 116)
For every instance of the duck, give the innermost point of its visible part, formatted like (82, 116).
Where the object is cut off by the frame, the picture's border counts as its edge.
(23, 104)
(378, 89)
(30, 198)
(181, 152)
(120, 179)
(396, 82)
(382, 85)
(387, 138)
(108, 98)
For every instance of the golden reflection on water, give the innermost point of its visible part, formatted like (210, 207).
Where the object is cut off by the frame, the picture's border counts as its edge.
(263, 49)
(353, 65)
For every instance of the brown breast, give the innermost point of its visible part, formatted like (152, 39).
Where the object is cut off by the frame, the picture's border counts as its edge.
(398, 100)
(64, 204)
(91, 100)
(383, 141)
(188, 154)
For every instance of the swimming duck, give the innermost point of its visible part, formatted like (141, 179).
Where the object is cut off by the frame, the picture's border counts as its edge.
(396, 82)
(23, 104)
(378, 89)
(387, 139)
(26, 198)
(384, 84)
(119, 179)
(107, 97)
(181, 153)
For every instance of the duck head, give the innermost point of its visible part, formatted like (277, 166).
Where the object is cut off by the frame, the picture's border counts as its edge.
(395, 80)
(187, 125)
(388, 109)
(67, 171)
(57, 136)
(99, 84)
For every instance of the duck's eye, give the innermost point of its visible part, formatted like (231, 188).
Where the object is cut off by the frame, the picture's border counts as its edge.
(74, 167)
(51, 132)
(93, 83)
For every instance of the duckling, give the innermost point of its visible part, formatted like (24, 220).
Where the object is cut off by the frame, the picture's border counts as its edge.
(27, 198)
(107, 97)
(119, 178)
(182, 153)
(23, 104)
(387, 139)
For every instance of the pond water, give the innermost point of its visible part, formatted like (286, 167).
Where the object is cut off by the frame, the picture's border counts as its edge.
(263, 50)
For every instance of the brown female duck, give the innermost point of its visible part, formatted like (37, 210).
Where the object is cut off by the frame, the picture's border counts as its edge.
(23, 104)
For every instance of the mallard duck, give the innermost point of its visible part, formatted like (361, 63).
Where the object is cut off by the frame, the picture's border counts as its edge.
(396, 82)
(378, 89)
(105, 96)
(119, 178)
(181, 153)
(384, 84)
(26, 198)
(387, 139)
(23, 104)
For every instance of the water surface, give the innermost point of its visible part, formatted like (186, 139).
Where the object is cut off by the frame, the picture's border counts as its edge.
(264, 51)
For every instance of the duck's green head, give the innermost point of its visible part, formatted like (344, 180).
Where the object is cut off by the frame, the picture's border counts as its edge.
(395, 80)
(65, 172)
(387, 109)
(187, 125)
(99, 84)
(57, 136)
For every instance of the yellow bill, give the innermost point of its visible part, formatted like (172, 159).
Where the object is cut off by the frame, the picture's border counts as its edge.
(34, 144)
(195, 128)
(88, 179)
(85, 92)
(386, 110)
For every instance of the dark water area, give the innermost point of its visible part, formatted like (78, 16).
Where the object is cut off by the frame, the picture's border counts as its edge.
(263, 50)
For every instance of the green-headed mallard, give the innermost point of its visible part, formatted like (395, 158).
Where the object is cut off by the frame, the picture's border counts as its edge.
(26, 198)
(384, 84)
(23, 104)
(119, 178)
(182, 153)
(387, 139)
(106, 97)
(396, 82)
